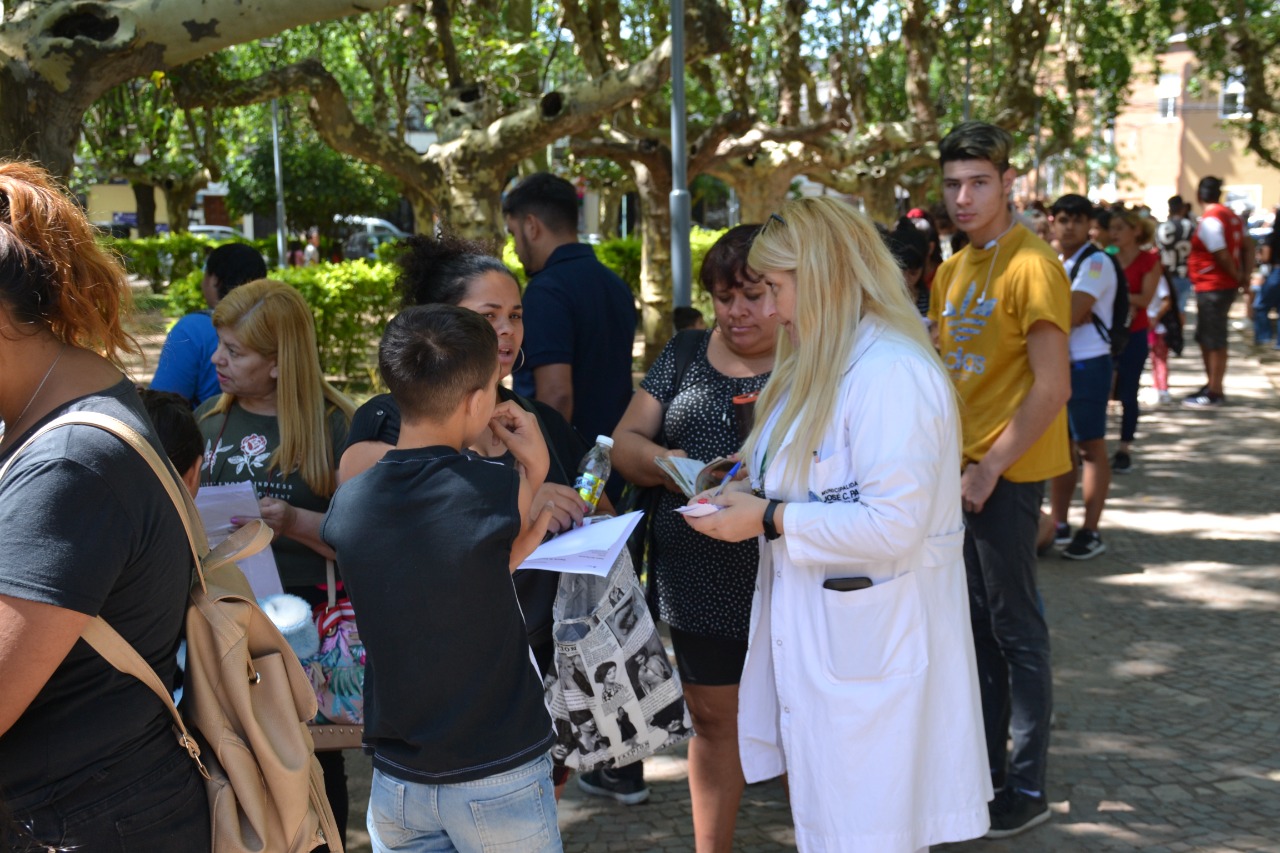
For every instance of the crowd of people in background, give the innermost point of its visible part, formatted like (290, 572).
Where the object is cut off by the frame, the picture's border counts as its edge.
(860, 612)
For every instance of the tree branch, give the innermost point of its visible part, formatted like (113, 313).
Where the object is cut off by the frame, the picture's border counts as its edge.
(195, 86)
(104, 42)
(444, 33)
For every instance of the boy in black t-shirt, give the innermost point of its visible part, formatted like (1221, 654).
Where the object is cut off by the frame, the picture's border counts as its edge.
(427, 539)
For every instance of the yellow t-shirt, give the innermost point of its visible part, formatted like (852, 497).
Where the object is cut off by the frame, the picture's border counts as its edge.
(984, 302)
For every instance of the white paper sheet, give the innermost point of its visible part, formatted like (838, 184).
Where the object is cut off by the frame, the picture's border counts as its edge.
(587, 550)
(699, 510)
(217, 505)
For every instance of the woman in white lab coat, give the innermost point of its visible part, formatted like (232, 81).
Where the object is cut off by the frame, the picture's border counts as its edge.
(860, 680)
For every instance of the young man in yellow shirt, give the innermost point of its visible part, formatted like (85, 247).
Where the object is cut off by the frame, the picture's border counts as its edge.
(1002, 311)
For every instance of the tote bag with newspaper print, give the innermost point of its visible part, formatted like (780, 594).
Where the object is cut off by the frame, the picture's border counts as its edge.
(614, 696)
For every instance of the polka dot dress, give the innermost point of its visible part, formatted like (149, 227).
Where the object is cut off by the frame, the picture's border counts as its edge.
(704, 586)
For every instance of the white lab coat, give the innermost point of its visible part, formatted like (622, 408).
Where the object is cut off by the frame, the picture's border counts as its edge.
(868, 700)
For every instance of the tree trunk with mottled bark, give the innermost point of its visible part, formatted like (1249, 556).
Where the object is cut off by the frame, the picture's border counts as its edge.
(144, 199)
(762, 184)
(59, 56)
(653, 186)
(180, 197)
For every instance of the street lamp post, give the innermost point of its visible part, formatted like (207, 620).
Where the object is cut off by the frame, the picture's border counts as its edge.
(281, 257)
(275, 144)
(681, 255)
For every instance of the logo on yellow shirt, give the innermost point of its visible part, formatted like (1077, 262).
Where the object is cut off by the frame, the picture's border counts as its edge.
(964, 323)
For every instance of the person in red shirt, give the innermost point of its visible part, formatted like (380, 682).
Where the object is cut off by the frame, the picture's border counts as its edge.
(1217, 270)
(1130, 233)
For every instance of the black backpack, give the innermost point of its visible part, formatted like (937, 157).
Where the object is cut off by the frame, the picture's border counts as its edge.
(1171, 319)
(1118, 335)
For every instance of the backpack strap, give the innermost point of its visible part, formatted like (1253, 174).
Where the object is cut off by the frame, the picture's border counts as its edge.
(100, 636)
(686, 343)
(117, 651)
(1120, 282)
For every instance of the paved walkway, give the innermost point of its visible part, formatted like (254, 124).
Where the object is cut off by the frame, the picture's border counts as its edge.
(1166, 661)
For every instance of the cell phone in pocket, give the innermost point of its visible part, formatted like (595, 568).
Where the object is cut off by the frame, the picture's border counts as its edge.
(846, 584)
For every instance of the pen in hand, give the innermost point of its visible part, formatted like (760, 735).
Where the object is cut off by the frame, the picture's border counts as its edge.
(727, 477)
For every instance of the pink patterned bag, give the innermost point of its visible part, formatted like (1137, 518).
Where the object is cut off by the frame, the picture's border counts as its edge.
(337, 673)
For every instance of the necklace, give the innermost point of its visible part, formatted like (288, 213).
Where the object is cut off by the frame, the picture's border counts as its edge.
(39, 387)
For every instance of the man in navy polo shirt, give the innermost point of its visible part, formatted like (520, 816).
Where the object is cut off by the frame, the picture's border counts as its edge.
(579, 326)
(579, 316)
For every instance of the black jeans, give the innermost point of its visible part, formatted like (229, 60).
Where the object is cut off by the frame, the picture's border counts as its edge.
(138, 805)
(1010, 635)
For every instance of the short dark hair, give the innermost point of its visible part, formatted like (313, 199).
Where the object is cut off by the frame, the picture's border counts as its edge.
(725, 263)
(1073, 204)
(685, 317)
(438, 270)
(552, 199)
(234, 264)
(1176, 204)
(433, 356)
(175, 426)
(908, 244)
(1209, 189)
(976, 140)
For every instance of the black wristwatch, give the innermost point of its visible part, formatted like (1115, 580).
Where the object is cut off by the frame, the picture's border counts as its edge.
(770, 532)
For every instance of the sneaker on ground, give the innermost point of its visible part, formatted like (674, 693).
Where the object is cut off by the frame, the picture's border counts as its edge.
(1164, 398)
(1013, 811)
(1206, 400)
(1061, 533)
(1086, 545)
(1121, 463)
(601, 783)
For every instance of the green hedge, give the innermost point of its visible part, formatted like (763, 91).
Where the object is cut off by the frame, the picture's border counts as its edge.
(169, 257)
(352, 301)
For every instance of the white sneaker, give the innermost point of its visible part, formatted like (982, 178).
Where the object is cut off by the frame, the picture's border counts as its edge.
(1164, 398)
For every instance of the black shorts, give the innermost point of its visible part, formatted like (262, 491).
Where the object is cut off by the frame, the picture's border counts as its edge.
(1212, 308)
(708, 661)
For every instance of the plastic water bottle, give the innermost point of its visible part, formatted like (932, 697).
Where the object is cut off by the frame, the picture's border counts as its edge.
(594, 470)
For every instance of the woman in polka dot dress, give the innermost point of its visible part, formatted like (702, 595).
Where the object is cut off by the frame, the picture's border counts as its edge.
(704, 586)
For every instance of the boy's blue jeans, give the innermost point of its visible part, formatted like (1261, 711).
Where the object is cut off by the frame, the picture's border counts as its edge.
(515, 810)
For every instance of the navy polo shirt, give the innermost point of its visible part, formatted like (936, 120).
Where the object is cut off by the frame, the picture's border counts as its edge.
(579, 312)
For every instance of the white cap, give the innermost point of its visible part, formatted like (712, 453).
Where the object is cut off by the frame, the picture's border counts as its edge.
(605, 440)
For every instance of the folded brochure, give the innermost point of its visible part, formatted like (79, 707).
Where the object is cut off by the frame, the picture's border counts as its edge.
(692, 475)
(587, 550)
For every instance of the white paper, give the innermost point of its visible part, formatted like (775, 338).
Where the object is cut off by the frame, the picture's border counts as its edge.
(699, 510)
(217, 505)
(587, 550)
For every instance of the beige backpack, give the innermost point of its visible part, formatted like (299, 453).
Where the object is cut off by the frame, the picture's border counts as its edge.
(245, 696)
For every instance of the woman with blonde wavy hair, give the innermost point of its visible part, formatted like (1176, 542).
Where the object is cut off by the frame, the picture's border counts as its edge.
(281, 426)
(860, 681)
(88, 759)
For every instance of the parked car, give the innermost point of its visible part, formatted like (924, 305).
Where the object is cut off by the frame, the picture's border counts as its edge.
(363, 244)
(216, 232)
(367, 235)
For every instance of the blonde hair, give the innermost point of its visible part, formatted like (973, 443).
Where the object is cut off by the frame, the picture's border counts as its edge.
(843, 273)
(53, 271)
(1144, 225)
(273, 320)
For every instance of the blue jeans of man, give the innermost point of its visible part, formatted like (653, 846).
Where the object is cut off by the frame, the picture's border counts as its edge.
(1182, 289)
(1267, 300)
(1010, 635)
(513, 810)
